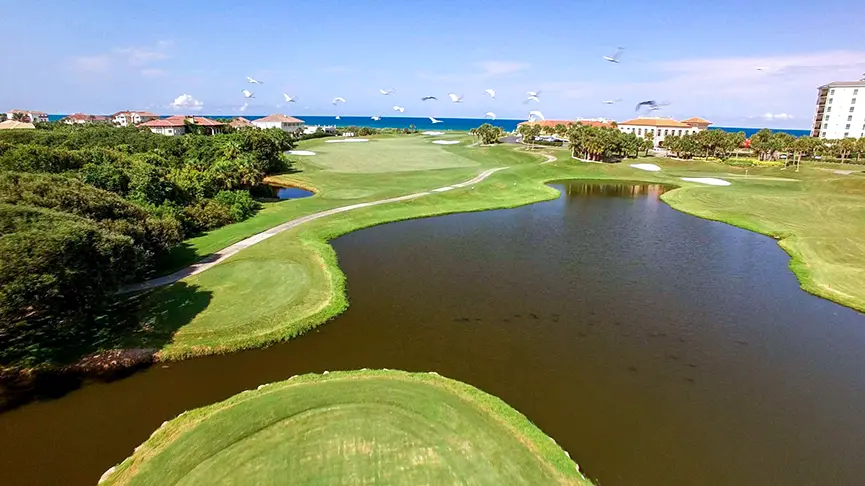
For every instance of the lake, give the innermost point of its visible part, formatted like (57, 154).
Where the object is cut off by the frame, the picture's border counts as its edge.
(656, 347)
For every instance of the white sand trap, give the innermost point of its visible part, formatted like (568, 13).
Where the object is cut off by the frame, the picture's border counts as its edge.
(301, 152)
(707, 180)
(446, 142)
(434, 133)
(648, 167)
(347, 140)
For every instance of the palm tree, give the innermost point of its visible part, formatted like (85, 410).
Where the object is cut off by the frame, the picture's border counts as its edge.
(21, 117)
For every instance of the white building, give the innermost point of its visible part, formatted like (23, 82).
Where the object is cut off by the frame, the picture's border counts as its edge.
(32, 116)
(838, 115)
(176, 125)
(127, 118)
(288, 124)
(663, 127)
(81, 118)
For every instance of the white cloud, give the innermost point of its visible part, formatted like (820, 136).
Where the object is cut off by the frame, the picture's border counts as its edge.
(139, 57)
(776, 116)
(186, 102)
(491, 69)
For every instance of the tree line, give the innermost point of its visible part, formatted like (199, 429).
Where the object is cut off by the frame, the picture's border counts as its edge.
(86, 209)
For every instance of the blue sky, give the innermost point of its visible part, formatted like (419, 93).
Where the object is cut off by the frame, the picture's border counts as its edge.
(700, 56)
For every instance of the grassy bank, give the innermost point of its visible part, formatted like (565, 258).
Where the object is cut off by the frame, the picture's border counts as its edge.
(354, 427)
(291, 282)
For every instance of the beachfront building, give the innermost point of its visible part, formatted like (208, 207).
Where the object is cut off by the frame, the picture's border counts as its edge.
(15, 125)
(838, 115)
(549, 125)
(240, 122)
(285, 123)
(29, 115)
(81, 118)
(662, 127)
(177, 125)
(132, 118)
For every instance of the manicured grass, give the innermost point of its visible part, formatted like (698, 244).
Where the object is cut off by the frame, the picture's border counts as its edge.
(358, 427)
(291, 282)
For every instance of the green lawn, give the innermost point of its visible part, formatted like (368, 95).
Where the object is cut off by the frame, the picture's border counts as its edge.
(361, 427)
(291, 282)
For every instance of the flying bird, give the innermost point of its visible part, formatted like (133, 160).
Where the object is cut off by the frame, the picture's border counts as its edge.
(289, 99)
(490, 114)
(652, 104)
(532, 98)
(243, 108)
(427, 98)
(615, 57)
(612, 102)
(247, 94)
(761, 68)
(398, 108)
(490, 92)
(455, 98)
(253, 81)
(533, 93)
(338, 99)
(536, 115)
(434, 120)
(387, 91)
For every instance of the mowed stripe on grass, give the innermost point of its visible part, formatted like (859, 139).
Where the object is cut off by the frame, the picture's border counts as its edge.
(360, 427)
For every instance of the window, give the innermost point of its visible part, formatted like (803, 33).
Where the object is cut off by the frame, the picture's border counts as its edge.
(830, 100)
(850, 118)
(853, 101)
(855, 92)
(825, 125)
(847, 127)
(666, 132)
(846, 134)
(828, 109)
(831, 91)
(827, 117)
(851, 109)
(822, 134)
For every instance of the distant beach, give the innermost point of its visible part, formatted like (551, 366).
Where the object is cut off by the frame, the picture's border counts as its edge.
(424, 123)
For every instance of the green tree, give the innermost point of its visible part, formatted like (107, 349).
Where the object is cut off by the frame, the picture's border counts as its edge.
(21, 117)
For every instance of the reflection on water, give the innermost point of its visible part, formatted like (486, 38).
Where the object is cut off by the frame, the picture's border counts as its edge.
(579, 190)
(277, 192)
(657, 348)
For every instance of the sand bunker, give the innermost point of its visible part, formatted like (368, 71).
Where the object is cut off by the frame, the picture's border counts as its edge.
(648, 167)
(347, 140)
(446, 142)
(707, 180)
(434, 133)
(301, 152)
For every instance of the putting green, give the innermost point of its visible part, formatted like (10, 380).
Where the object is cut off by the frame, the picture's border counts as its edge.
(358, 427)
(391, 155)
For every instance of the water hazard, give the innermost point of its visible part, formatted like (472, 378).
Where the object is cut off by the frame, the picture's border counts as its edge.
(657, 348)
(283, 193)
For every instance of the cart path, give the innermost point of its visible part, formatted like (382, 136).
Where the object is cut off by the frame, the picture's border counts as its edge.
(227, 252)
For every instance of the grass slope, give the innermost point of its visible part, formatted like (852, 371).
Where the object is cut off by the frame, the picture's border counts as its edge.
(291, 282)
(358, 427)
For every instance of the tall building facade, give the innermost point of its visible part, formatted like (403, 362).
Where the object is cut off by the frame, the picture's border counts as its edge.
(840, 110)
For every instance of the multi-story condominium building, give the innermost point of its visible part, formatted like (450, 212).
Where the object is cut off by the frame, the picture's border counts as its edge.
(840, 113)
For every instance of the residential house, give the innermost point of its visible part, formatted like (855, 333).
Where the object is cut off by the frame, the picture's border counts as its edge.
(662, 127)
(14, 125)
(590, 122)
(176, 125)
(240, 122)
(81, 118)
(132, 118)
(31, 116)
(285, 123)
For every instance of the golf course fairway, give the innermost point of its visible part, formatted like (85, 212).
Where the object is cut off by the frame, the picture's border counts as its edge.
(354, 427)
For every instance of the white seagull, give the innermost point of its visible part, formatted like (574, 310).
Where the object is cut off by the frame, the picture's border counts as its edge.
(612, 102)
(337, 117)
(455, 98)
(490, 114)
(398, 108)
(532, 98)
(247, 93)
(615, 57)
(536, 115)
(338, 99)
(289, 99)
(434, 120)
(490, 92)
(376, 118)
(427, 98)
(387, 91)
(253, 81)
(243, 108)
(533, 93)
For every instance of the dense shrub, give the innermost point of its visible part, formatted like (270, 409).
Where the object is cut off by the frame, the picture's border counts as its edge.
(240, 204)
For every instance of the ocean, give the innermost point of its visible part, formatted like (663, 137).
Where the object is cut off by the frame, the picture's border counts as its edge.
(463, 124)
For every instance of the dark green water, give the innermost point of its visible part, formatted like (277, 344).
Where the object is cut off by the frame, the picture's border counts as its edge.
(657, 348)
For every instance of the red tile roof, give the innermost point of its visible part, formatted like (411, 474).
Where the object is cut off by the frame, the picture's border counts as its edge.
(179, 121)
(695, 120)
(240, 122)
(85, 117)
(277, 117)
(140, 113)
(553, 123)
(28, 112)
(656, 122)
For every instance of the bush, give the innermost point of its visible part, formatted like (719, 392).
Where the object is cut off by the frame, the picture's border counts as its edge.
(240, 204)
(205, 215)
